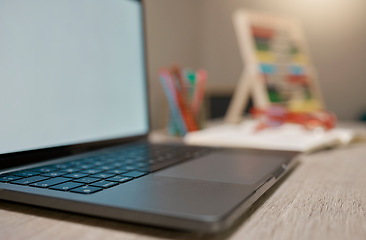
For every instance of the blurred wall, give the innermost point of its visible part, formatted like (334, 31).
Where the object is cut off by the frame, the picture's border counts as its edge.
(336, 34)
(199, 33)
(172, 37)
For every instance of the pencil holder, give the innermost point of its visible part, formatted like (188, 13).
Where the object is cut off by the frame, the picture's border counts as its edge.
(185, 94)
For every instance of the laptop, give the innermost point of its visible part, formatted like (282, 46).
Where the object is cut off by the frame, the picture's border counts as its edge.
(75, 121)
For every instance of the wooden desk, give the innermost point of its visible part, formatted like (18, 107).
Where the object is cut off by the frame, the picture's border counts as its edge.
(323, 198)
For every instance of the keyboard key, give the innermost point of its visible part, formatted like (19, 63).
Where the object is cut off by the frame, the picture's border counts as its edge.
(98, 163)
(29, 180)
(105, 168)
(25, 173)
(53, 174)
(86, 180)
(141, 164)
(64, 165)
(76, 175)
(85, 166)
(91, 171)
(50, 182)
(79, 162)
(8, 178)
(104, 184)
(134, 174)
(151, 161)
(102, 175)
(128, 168)
(66, 186)
(144, 169)
(117, 165)
(120, 179)
(44, 169)
(117, 171)
(86, 189)
(129, 161)
(69, 170)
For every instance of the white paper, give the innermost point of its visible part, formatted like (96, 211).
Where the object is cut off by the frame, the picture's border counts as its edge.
(290, 137)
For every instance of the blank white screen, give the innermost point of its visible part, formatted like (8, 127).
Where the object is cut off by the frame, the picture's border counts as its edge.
(70, 72)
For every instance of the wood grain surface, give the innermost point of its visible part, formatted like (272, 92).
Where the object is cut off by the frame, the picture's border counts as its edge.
(324, 197)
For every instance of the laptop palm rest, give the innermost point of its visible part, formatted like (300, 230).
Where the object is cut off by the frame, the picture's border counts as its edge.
(205, 189)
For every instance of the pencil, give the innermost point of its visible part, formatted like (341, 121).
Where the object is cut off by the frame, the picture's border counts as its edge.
(199, 91)
(172, 101)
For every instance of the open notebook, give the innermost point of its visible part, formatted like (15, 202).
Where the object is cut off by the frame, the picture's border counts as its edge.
(290, 137)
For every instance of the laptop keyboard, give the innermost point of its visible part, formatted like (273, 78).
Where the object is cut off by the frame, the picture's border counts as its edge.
(104, 170)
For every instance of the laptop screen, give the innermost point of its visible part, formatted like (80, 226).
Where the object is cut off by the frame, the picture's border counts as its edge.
(70, 72)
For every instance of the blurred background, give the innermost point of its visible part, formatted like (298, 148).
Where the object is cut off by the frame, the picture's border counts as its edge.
(200, 34)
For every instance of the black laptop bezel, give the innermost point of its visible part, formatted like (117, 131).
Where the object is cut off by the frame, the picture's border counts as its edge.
(9, 160)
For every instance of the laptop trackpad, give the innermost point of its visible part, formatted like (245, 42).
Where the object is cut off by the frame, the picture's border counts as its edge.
(227, 167)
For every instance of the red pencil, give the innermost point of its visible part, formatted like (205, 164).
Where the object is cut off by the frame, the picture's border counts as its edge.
(183, 100)
(186, 112)
(199, 91)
